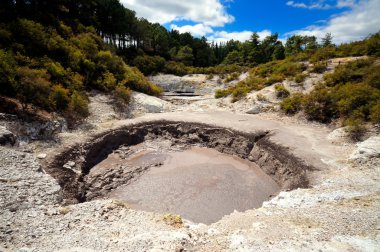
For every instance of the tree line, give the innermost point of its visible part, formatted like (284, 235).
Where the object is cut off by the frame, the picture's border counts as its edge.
(134, 36)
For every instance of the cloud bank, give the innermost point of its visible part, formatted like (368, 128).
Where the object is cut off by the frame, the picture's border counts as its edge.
(362, 19)
(209, 17)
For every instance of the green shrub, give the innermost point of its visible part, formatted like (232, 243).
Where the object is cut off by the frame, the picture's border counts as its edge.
(175, 68)
(355, 99)
(293, 104)
(7, 73)
(261, 97)
(221, 93)
(106, 82)
(319, 105)
(123, 93)
(300, 78)
(59, 98)
(242, 88)
(33, 87)
(323, 54)
(281, 91)
(56, 71)
(210, 76)
(149, 64)
(78, 104)
(277, 71)
(372, 77)
(232, 77)
(135, 80)
(375, 112)
(353, 72)
(319, 67)
(355, 128)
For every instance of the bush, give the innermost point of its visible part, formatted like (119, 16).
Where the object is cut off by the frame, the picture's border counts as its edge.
(300, 78)
(232, 77)
(355, 129)
(355, 99)
(78, 104)
(353, 72)
(56, 71)
(281, 91)
(135, 80)
(292, 105)
(123, 94)
(319, 67)
(7, 73)
(375, 112)
(221, 93)
(319, 106)
(106, 82)
(261, 97)
(175, 68)
(149, 65)
(33, 87)
(323, 54)
(210, 76)
(59, 98)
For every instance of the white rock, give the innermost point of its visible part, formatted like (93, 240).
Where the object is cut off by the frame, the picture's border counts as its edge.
(255, 109)
(370, 148)
(42, 155)
(71, 163)
(338, 135)
(149, 103)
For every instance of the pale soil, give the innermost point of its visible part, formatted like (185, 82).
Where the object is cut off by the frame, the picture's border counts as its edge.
(339, 212)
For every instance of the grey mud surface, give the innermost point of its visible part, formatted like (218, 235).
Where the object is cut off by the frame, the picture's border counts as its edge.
(200, 184)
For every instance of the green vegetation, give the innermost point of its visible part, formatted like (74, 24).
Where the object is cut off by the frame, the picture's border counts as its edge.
(281, 91)
(351, 92)
(262, 76)
(293, 104)
(319, 67)
(49, 64)
(299, 78)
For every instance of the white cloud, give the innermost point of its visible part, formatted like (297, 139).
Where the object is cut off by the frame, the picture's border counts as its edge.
(197, 30)
(355, 24)
(346, 3)
(320, 5)
(223, 36)
(208, 12)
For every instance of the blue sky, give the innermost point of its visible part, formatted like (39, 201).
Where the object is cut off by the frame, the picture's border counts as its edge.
(273, 15)
(221, 20)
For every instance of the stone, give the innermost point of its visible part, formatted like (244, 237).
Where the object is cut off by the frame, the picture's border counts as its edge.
(42, 155)
(256, 109)
(71, 163)
(6, 137)
(367, 149)
(149, 103)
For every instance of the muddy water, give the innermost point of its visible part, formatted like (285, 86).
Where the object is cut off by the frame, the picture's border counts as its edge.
(200, 184)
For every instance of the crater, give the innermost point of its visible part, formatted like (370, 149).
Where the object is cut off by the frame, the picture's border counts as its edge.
(198, 171)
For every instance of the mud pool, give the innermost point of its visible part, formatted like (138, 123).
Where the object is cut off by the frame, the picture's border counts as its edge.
(198, 171)
(200, 184)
